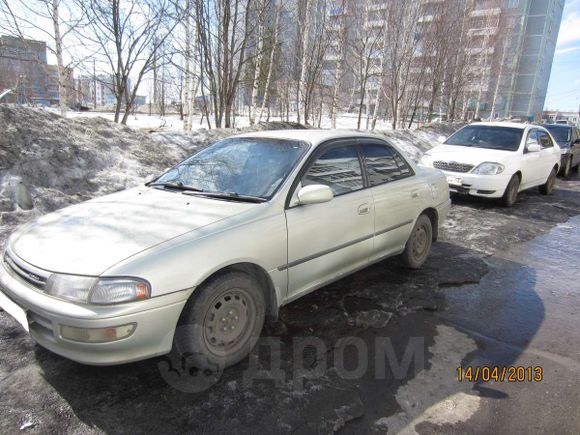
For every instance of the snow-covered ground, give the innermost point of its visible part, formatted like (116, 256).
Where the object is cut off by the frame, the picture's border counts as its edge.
(172, 122)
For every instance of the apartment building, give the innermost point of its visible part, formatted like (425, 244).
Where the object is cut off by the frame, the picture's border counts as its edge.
(25, 72)
(507, 45)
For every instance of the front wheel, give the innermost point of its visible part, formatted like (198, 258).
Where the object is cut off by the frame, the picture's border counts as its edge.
(548, 187)
(222, 321)
(510, 195)
(419, 244)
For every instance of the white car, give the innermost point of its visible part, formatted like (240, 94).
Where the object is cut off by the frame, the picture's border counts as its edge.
(497, 160)
(196, 259)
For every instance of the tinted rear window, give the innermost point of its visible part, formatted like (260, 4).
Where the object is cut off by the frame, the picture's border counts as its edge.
(560, 132)
(487, 136)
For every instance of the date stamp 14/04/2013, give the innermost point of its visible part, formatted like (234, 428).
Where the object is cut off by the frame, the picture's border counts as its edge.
(500, 374)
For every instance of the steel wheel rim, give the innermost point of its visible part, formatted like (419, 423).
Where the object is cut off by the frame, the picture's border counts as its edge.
(420, 242)
(228, 321)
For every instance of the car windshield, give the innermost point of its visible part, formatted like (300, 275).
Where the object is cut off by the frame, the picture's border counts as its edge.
(560, 132)
(487, 136)
(253, 167)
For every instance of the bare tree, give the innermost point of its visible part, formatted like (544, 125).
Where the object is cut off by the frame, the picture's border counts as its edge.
(273, 50)
(365, 49)
(401, 21)
(129, 37)
(223, 33)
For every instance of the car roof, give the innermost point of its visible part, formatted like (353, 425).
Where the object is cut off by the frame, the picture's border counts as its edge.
(557, 126)
(313, 136)
(506, 124)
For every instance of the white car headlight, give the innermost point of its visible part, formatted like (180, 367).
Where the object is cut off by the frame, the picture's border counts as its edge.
(70, 287)
(103, 291)
(489, 168)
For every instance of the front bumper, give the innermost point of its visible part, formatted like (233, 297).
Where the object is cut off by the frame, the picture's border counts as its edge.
(486, 186)
(155, 321)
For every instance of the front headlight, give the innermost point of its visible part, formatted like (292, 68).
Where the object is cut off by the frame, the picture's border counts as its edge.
(70, 287)
(119, 290)
(426, 160)
(103, 291)
(489, 168)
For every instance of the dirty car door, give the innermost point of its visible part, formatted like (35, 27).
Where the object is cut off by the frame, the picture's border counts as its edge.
(330, 239)
(397, 196)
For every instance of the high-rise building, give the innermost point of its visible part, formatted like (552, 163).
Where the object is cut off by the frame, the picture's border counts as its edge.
(507, 47)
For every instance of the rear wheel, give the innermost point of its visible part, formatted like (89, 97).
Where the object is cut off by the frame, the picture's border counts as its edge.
(222, 321)
(548, 187)
(510, 195)
(565, 171)
(419, 244)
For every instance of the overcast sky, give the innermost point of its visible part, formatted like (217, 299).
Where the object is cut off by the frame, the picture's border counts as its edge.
(564, 86)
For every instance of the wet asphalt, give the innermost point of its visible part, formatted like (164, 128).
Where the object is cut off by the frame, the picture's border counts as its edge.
(376, 352)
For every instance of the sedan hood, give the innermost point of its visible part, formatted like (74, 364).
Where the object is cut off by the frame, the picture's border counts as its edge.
(469, 155)
(90, 237)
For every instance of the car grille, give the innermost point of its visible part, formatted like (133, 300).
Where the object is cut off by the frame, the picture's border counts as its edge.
(452, 166)
(26, 275)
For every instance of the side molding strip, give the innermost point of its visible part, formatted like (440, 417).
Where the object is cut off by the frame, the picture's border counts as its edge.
(339, 247)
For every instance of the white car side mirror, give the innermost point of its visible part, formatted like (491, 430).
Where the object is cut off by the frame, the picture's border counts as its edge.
(441, 139)
(314, 194)
(533, 148)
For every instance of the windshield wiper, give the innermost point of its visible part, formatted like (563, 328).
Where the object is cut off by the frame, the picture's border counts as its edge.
(233, 196)
(177, 186)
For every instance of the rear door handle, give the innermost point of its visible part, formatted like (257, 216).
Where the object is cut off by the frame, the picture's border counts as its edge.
(363, 209)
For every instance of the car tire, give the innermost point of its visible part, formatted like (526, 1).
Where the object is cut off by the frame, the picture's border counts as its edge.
(419, 243)
(510, 196)
(548, 187)
(222, 321)
(565, 171)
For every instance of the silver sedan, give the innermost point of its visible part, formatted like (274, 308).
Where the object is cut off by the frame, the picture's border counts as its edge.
(217, 243)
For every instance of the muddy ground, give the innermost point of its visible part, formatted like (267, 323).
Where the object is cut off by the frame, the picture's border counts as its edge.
(375, 352)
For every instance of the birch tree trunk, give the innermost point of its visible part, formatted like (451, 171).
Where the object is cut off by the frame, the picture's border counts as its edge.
(62, 75)
(186, 89)
(305, 61)
(271, 64)
(338, 73)
(258, 66)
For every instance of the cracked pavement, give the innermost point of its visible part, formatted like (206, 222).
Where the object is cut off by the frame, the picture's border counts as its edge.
(375, 352)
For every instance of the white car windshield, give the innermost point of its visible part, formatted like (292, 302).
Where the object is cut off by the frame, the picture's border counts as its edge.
(487, 136)
(237, 167)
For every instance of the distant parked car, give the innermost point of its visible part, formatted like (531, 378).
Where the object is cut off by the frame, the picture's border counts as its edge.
(568, 138)
(215, 244)
(497, 160)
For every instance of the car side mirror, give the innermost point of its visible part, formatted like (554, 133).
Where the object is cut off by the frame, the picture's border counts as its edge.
(577, 140)
(533, 148)
(441, 139)
(314, 194)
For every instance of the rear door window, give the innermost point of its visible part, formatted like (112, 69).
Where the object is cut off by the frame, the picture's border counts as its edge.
(384, 164)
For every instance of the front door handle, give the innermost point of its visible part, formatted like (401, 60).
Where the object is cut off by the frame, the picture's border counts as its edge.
(363, 209)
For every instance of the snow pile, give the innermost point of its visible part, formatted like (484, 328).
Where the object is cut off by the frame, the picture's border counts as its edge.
(416, 142)
(65, 161)
(48, 162)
